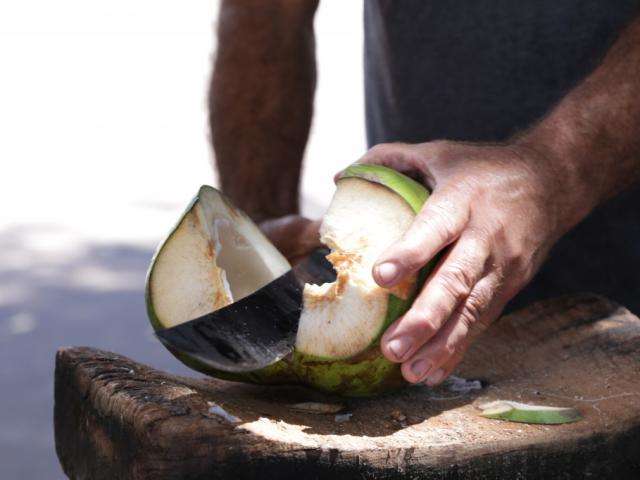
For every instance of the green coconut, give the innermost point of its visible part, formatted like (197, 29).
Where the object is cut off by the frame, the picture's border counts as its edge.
(216, 255)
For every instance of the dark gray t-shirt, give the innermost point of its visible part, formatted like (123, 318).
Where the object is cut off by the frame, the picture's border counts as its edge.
(483, 70)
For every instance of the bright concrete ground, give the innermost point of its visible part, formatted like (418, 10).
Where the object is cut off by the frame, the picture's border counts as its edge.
(103, 140)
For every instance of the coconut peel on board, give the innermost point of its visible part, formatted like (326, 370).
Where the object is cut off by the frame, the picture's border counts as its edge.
(525, 413)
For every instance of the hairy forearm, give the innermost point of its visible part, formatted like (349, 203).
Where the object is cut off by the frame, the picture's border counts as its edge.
(261, 100)
(593, 134)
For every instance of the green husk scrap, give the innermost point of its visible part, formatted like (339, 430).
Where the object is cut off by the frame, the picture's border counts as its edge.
(523, 413)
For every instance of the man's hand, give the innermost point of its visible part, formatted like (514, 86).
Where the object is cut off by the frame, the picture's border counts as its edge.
(295, 236)
(494, 213)
(499, 209)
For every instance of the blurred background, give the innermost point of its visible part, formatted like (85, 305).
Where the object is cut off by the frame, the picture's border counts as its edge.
(103, 141)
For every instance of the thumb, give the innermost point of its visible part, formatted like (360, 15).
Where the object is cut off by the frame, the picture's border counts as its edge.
(438, 224)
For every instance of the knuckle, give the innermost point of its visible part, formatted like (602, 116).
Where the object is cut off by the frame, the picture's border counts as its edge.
(381, 150)
(473, 310)
(449, 349)
(470, 315)
(518, 263)
(454, 210)
(528, 271)
(457, 281)
(439, 147)
(477, 250)
(497, 281)
(512, 256)
(441, 221)
(478, 238)
(519, 267)
(424, 321)
(444, 210)
(446, 230)
(500, 230)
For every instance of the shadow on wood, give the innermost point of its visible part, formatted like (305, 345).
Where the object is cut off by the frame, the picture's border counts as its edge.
(115, 418)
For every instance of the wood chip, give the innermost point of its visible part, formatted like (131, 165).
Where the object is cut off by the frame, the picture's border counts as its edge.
(317, 408)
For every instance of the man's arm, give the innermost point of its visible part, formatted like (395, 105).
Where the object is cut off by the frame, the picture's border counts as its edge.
(500, 209)
(261, 101)
(595, 130)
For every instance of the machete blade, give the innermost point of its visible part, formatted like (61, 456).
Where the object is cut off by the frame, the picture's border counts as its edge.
(257, 330)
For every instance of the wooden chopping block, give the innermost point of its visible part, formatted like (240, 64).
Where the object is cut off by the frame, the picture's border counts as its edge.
(117, 419)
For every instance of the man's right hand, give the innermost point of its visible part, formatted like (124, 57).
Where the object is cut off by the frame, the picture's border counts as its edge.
(295, 236)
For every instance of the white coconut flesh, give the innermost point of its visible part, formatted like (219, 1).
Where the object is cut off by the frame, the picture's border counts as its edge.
(215, 256)
(343, 318)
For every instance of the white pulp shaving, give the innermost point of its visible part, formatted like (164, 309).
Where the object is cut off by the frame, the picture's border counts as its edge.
(216, 409)
(343, 417)
(461, 385)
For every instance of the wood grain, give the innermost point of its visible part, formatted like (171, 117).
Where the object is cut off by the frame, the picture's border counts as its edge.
(115, 418)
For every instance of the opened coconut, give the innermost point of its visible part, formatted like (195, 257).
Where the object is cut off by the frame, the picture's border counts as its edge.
(216, 255)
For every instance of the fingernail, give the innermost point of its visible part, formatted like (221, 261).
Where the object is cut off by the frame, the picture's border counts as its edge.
(435, 377)
(419, 368)
(399, 346)
(387, 272)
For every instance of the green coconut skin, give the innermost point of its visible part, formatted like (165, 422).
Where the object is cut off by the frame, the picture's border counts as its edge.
(367, 373)
(523, 413)
(411, 191)
(539, 418)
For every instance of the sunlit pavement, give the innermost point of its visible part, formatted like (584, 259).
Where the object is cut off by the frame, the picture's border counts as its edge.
(102, 143)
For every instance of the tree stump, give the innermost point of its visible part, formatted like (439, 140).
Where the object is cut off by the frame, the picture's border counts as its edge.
(117, 419)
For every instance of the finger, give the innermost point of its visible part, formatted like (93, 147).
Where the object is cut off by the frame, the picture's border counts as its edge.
(310, 236)
(447, 287)
(471, 318)
(438, 224)
(412, 159)
(441, 374)
(399, 156)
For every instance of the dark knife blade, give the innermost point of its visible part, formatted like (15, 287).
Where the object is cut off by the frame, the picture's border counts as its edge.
(257, 330)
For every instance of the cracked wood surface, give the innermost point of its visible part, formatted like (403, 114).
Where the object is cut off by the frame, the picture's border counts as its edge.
(115, 418)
